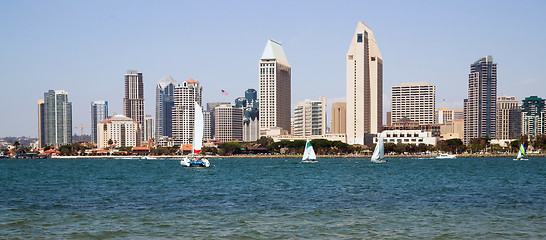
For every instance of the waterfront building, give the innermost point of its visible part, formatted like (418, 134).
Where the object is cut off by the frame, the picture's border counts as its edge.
(207, 125)
(480, 108)
(409, 124)
(183, 111)
(251, 127)
(41, 123)
(407, 137)
(339, 118)
(508, 118)
(119, 130)
(164, 97)
(55, 119)
(364, 86)
(533, 117)
(443, 115)
(133, 102)
(416, 101)
(99, 112)
(149, 130)
(228, 122)
(310, 118)
(275, 88)
(452, 129)
(210, 107)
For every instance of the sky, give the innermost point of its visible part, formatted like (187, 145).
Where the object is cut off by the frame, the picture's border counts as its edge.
(86, 47)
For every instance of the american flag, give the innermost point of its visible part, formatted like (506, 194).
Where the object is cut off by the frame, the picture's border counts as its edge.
(224, 92)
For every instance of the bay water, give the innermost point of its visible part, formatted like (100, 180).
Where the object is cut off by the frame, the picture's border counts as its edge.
(279, 198)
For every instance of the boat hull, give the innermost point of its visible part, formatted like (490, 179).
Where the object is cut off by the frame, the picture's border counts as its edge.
(194, 163)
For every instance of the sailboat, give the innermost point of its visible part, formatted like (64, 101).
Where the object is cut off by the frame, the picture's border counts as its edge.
(378, 155)
(521, 153)
(193, 160)
(309, 154)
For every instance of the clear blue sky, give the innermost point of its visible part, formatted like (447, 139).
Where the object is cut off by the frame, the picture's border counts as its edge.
(85, 48)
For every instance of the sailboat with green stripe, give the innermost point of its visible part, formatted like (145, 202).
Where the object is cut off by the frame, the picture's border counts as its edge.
(309, 154)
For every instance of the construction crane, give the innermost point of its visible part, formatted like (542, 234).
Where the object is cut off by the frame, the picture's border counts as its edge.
(81, 127)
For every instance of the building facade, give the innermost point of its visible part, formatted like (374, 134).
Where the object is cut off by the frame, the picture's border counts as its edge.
(120, 130)
(508, 118)
(275, 88)
(251, 118)
(99, 112)
(207, 125)
(55, 119)
(480, 108)
(310, 118)
(364, 86)
(133, 102)
(533, 116)
(339, 118)
(407, 137)
(148, 128)
(183, 111)
(416, 101)
(164, 97)
(452, 129)
(443, 115)
(408, 124)
(228, 123)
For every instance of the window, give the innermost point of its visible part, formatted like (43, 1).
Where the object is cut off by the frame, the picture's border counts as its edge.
(359, 37)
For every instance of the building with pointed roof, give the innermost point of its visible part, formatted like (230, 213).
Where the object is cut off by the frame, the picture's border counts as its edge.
(364, 86)
(275, 88)
(164, 105)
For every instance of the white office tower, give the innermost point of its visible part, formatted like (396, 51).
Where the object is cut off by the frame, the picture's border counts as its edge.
(228, 121)
(183, 111)
(310, 118)
(364, 86)
(275, 88)
(416, 101)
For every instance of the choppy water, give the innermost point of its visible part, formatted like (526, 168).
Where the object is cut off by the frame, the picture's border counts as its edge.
(274, 198)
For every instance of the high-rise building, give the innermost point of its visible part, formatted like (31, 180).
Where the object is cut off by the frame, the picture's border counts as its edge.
(56, 119)
(339, 118)
(228, 122)
(251, 128)
(183, 111)
(133, 102)
(207, 125)
(275, 88)
(99, 112)
(310, 118)
(164, 97)
(364, 86)
(443, 115)
(533, 117)
(149, 130)
(508, 118)
(480, 108)
(416, 101)
(41, 123)
(210, 107)
(119, 130)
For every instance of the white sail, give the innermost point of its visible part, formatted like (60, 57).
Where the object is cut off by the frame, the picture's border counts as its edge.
(378, 152)
(197, 129)
(309, 153)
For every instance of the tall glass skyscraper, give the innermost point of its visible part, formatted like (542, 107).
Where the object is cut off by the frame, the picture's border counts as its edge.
(99, 112)
(251, 130)
(56, 119)
(164, 106)
(480, 108)
(275, 87)
(533, 116)
(364, 86)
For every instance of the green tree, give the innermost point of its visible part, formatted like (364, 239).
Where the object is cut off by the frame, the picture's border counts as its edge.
(264, 141)
(229, 148)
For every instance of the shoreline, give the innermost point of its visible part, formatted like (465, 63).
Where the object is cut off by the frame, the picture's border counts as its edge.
(299, 156)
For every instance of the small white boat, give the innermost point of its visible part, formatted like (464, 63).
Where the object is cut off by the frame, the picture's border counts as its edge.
(309, 154)
(148, 158)
(446, 156)
(521, 154)
(378, 155)
(194, 160)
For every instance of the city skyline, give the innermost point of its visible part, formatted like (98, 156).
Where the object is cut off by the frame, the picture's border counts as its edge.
(61, 45)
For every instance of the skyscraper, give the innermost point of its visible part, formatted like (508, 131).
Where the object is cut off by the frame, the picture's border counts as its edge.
(149, 128)
(99, 112)
(508, 118)
(228, 122)
(163, 107)
(310, 118)
(364, 86)
(183, 111)
(416, 101)
(57, 119)
(133, 102)
(533, 116)
(41, 123)
(275, 88)
(339, 118)
(480, 108)
(251, 128)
